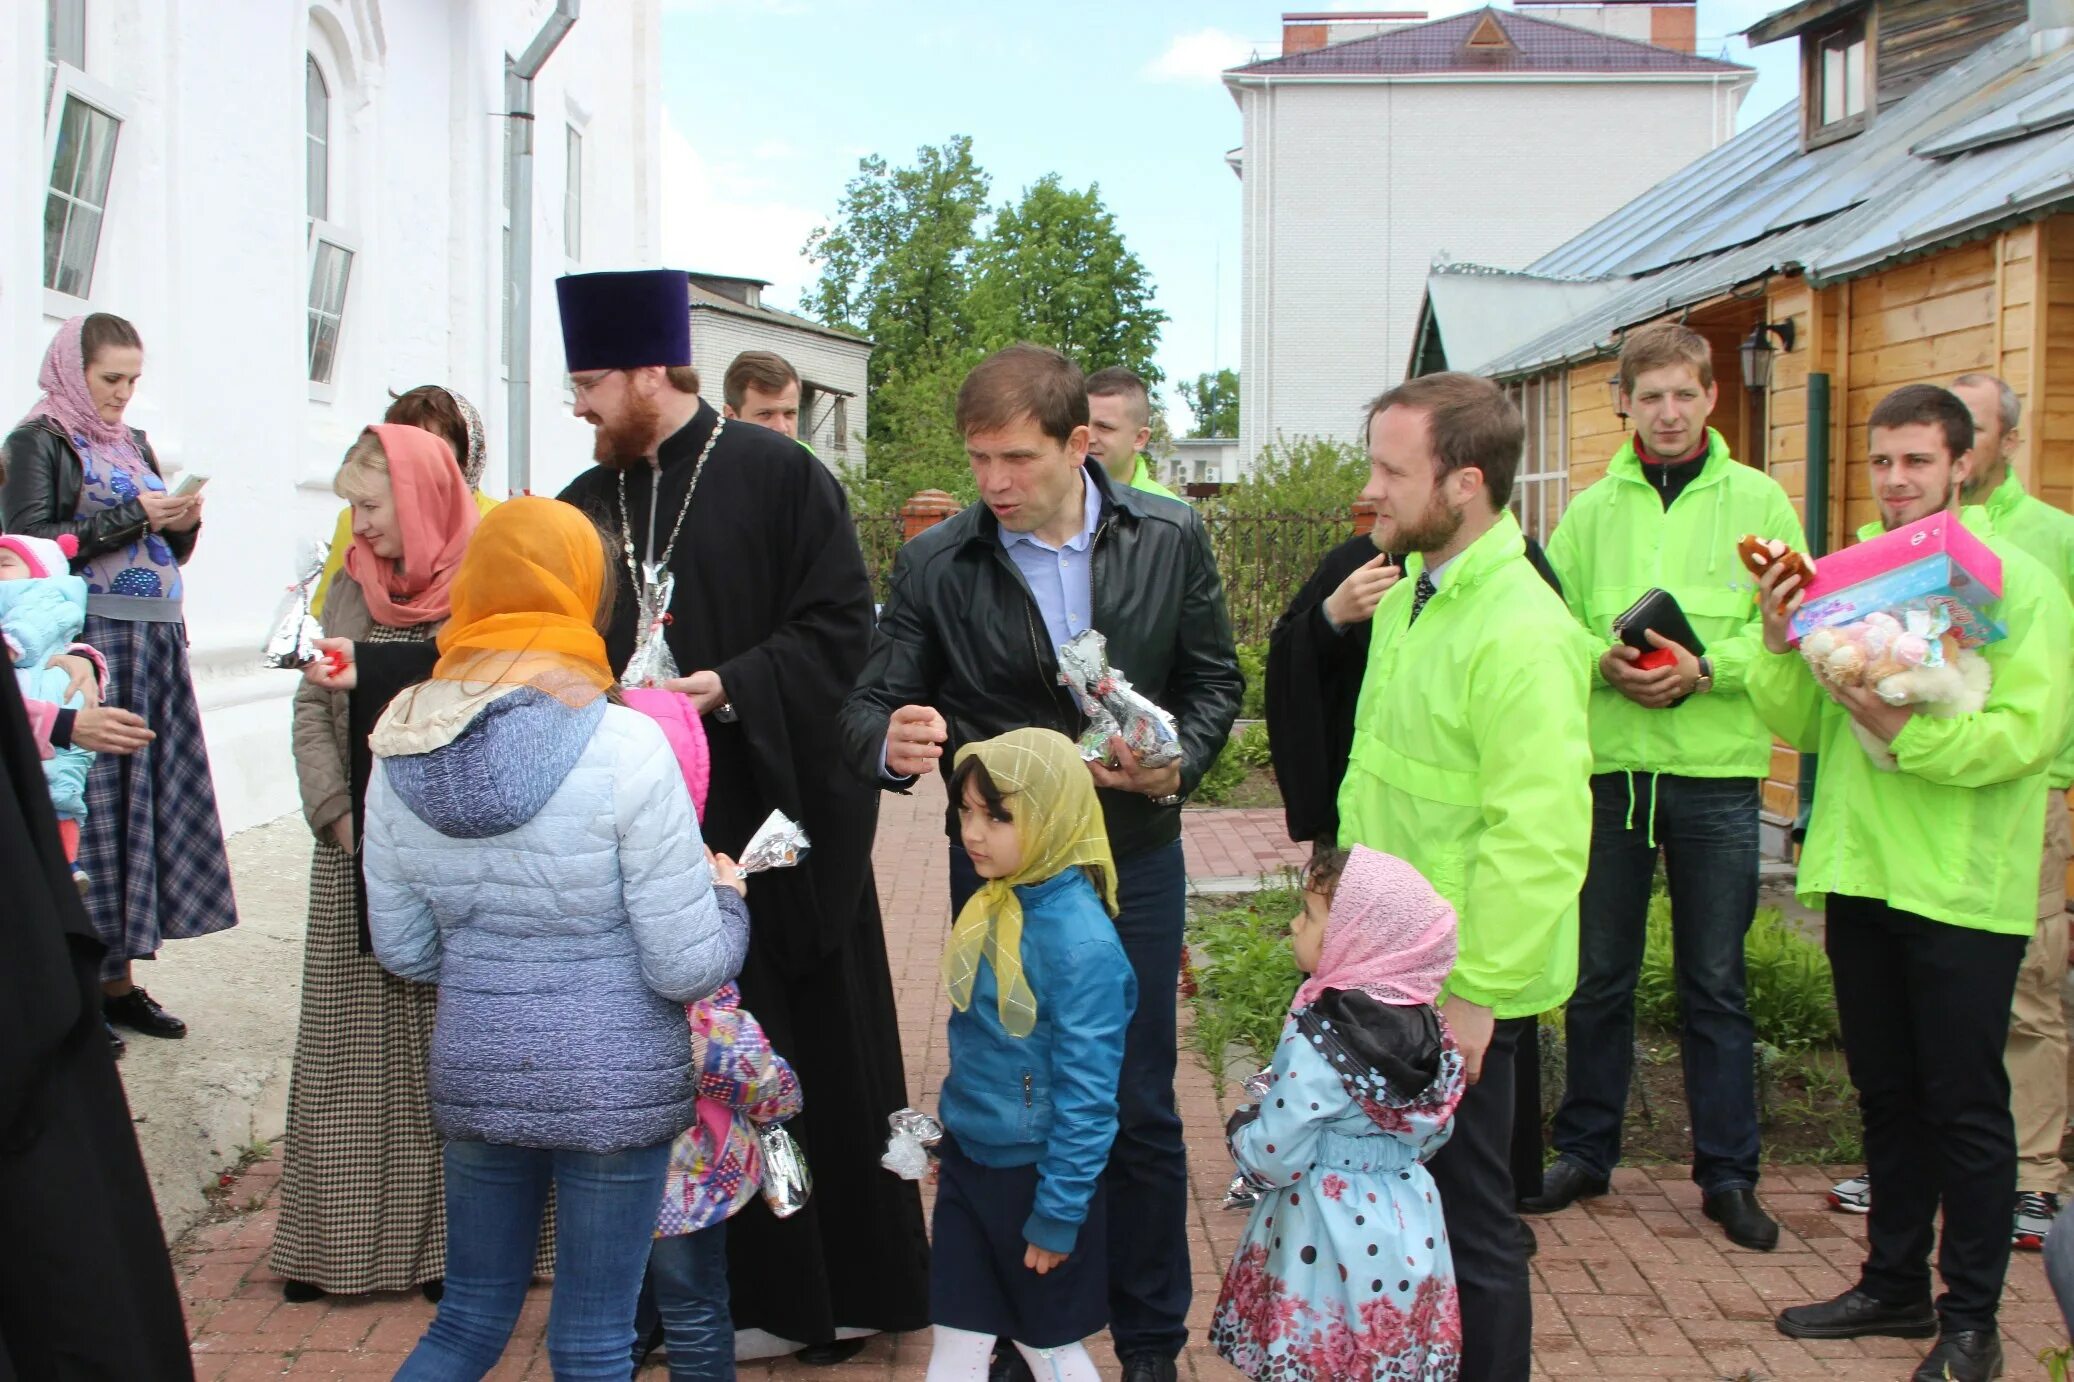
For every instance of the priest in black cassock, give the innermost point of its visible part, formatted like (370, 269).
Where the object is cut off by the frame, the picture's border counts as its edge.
(746, 541)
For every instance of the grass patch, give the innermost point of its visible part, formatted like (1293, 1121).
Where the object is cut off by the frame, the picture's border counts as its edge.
(1244, 979)
(1242, 776)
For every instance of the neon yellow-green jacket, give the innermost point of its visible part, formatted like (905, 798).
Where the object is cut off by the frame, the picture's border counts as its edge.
(2046, 532)
(1142, 479)
(1472, 762)
(1616, 541)
(1956, 834)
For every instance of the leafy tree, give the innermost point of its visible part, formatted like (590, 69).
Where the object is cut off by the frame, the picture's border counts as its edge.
(1055, 270)
(1304, 475)
(1214, 399)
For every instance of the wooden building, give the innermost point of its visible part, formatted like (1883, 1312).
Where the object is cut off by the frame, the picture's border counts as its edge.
(1909, 219)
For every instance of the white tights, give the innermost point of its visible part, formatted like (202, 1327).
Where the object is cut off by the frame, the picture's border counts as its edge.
(959, 1355)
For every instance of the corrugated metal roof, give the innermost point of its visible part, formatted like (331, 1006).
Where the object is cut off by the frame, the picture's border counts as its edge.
(1978, 145)
(1483, 313)
(1441, 46)
(707, 299)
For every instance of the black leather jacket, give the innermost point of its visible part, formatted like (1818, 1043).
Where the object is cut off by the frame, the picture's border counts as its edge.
(961, 632)
(39, 496)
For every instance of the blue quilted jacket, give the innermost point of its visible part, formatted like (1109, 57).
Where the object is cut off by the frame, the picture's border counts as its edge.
(41, 618)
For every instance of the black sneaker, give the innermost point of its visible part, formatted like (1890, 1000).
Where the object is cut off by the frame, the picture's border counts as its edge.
(1963, 1355)
(1743, 1219)
(139, 1012)
(2034, 1215)
(1854, 1314)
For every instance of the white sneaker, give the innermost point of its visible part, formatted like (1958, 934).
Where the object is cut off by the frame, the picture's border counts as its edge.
(1853, 1196)
(2034, 1215)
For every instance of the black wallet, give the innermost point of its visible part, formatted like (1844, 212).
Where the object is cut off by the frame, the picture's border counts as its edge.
(1657, 611)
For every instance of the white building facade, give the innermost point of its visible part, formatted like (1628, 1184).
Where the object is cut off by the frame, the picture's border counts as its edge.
(728, 316)
(302, 207)
(1490, 136)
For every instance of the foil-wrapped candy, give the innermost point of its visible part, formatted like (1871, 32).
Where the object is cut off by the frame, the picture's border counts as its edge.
(786, 1181)
(296, 630)
(914, 1138)
(652, 662)
(1112, 707)
(778, 843)
(1240, 1194)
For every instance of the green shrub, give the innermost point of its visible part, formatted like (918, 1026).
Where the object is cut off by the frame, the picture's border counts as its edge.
(1253, 667)
(1253, 750)
(1791, 995)
(1226, 773)
(1245, 977)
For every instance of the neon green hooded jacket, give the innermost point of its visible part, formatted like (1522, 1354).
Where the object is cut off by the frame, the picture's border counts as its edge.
(2046, 533)
(1955, 834)
(1472, 762)
(1615, 542)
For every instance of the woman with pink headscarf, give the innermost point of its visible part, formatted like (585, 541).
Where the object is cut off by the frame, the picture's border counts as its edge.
(1344, 1269)
(152, 848)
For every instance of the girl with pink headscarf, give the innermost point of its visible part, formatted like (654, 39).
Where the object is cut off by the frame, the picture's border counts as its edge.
(1344, 1269)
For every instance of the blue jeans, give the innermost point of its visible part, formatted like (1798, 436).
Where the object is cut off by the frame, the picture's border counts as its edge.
(1707, 828)
(687, 1291)
(605, 1207)
(1147, 1179)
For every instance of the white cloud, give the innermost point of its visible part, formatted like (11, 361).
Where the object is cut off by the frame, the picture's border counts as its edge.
(720, 216)
(1200, 57)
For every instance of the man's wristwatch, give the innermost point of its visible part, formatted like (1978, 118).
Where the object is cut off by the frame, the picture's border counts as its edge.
(1706, 681)
(1171, 799)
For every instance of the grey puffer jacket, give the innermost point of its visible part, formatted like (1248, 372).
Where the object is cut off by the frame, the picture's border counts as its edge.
(544, 868)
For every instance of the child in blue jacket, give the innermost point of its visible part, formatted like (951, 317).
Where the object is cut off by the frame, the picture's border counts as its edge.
(1041, 992)
(42, 611)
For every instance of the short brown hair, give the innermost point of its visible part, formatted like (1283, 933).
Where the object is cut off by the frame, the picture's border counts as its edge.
(1471, 423)
(1914, 403)
(1023, 381)
(683, 378)
(1118, 382)
(762, 370)
(432, 408)
(1321, 872)
(105, 331)
(1660, 345)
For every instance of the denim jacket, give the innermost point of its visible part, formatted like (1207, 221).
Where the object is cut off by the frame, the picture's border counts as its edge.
(1047, 1099)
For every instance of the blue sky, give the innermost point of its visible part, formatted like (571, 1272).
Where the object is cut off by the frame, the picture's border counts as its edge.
(768, 104)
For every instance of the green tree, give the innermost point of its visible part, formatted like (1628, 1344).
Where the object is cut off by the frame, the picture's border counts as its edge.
(1214, 399)
(1303, 475)
(1054, 269)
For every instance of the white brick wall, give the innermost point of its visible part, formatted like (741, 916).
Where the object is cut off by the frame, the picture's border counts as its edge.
(718, 336)
(1350, 189)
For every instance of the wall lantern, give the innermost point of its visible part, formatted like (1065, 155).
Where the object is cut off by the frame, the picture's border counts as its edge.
(1757, 353)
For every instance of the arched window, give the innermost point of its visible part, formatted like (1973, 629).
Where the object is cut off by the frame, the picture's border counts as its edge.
(317, 146)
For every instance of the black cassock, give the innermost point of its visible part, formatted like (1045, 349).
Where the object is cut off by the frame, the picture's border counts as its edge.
(86, 1288)
(771, 593)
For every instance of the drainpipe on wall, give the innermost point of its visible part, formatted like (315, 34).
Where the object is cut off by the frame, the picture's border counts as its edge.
(518, 99)
(1816, 524)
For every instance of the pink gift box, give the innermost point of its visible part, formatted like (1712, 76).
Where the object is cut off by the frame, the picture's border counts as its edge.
(1932, 562)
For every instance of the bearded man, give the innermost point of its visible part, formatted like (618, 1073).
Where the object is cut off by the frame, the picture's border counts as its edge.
(743, 541)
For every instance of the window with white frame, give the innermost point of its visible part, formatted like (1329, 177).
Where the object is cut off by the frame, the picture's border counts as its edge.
(331, 248)
(64, 39)
(1542, 485)
(572, 197)
(80, 139)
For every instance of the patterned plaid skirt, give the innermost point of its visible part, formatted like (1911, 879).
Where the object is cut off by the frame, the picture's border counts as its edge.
(152, 846)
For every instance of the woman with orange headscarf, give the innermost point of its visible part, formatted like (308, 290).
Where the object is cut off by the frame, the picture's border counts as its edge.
(531, 848)
(360, 1179)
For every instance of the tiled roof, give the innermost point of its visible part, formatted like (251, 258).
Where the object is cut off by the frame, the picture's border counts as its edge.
(1442, 46)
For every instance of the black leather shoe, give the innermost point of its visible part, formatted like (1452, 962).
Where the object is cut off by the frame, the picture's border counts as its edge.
(1963, 1355)
(433, 1290)
(116, 1045)
(1146, 1367)
(1008, 1364)
(1563, 1185)
(828, 1355)
(1743, 1219)
(1854, 1314)
(139, 1012)
(1529, 1245)
(300, 1292)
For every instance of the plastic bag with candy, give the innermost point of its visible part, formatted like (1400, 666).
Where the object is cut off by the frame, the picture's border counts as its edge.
(1911, 656)
(914, 1138)
(1112, 707)
(786, 1182)
(296, 630)
(652, 662)
(778, 843)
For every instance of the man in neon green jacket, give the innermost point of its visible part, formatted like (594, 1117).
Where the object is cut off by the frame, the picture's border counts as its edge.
(1678, 757)
(1119, 417)
(1928, 875)
(1471, 761)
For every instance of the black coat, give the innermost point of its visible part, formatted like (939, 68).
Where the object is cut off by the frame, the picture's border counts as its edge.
(39, 496)
(86, 1288)
(961, 632)
(1313, 684)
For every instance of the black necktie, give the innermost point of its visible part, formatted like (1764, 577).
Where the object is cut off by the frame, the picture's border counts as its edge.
(1421, 593)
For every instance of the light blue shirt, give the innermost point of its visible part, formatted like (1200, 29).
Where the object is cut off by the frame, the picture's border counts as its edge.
(1060, 577)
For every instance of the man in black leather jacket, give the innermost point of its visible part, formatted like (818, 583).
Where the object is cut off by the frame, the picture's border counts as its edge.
(966, 648)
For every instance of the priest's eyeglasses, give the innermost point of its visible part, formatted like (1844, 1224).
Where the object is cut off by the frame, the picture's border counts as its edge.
(582, 384)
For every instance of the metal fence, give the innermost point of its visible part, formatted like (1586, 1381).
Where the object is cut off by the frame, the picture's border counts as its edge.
(1264, 559)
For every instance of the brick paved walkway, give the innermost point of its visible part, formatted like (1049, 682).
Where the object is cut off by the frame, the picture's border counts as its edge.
(1637, 1284)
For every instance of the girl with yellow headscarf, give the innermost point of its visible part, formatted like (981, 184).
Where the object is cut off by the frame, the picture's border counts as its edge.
(1042, 993)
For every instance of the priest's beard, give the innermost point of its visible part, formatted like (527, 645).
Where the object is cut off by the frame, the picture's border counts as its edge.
(1435, 528)
(627, 440)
